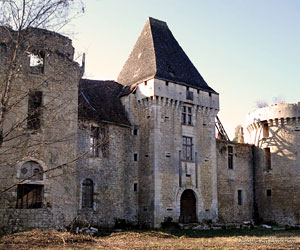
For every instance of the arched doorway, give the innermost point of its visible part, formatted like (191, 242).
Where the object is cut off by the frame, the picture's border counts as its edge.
(188, 207)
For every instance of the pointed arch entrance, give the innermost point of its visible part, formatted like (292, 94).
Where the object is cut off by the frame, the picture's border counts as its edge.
(188, 207)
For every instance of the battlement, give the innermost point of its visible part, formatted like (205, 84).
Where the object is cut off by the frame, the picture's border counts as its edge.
(283, 113)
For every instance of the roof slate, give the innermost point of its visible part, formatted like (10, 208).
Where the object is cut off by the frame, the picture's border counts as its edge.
(99, 101)
(158, 54)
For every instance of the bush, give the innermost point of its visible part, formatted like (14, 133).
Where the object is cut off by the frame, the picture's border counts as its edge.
(169, 223)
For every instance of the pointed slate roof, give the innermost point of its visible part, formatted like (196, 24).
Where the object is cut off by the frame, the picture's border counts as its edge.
(158, 54)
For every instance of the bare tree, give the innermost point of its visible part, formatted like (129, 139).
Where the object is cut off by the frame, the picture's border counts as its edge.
(23, 25)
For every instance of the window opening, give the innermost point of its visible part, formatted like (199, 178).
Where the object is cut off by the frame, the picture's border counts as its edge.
(29, 196)
(230, 157)
(187, 148)
(267, 154)
(269, 192)
(3, 47)
(87, 193)
(189, 94)
(37, 62)
(135, 187)
(240, 197)
(186, 115)
(265, 130)
(34, 110)
(135, 131)
(135, 157)
(94, 141)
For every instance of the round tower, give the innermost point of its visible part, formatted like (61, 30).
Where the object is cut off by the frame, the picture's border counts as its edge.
(275, 131)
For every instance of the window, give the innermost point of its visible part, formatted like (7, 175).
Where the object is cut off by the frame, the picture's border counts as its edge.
(265, 130)
(240, 197)
(3, 47)
(135, 157)
(269, 192)
(87, 193)
(135, 187)
(167, 83)
(267, 154)
(29, 196)
(187, 148)
(37, 62)
(135, 131)
(230, 157)
(186, 115)
(31, 170)
(34, 110)
(94, 141)
(189, 94)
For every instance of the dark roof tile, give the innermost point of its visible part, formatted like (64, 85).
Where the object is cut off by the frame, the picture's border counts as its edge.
(158, 54)
(99, 101)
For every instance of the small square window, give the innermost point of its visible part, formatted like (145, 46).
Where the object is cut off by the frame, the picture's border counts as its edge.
(135, 157)
(167, 83)
(269, 192)
(145, 82)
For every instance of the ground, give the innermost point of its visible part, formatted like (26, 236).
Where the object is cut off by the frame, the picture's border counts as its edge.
(177, 240)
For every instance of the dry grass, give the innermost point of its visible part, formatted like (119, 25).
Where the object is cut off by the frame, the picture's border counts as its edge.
(178, 240)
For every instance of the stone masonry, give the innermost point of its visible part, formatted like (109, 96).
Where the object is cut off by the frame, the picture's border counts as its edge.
(141, 149)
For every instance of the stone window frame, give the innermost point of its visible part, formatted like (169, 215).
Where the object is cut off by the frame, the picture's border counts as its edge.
(187, 148)
(94, 137)
(83, 194)
(187, 115)
(30, 193)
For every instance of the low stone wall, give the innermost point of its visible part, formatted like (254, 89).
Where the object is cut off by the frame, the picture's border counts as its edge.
(14, 220)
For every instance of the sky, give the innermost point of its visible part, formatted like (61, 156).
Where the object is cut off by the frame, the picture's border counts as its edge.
(246, 50)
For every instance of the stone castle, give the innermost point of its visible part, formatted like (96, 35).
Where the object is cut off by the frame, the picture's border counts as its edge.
(141, 149)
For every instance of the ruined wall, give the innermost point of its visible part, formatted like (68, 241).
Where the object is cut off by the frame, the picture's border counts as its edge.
(51, 144)
(276, 129)
(156, 108)
(231, 178)
(113, 173)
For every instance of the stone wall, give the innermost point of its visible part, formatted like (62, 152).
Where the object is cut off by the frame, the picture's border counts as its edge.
(113, 173)
(156, 108)
(240, 177)
(53, 145)
(276, 129)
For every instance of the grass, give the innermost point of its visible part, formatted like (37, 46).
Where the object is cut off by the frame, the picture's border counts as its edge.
(154, 239)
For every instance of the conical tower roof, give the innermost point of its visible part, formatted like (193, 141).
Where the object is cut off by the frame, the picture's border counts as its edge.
(158, 54)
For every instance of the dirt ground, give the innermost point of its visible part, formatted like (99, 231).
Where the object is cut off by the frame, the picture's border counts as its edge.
(131, 240)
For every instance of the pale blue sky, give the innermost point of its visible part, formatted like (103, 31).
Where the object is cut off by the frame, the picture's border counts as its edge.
(245, 49)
